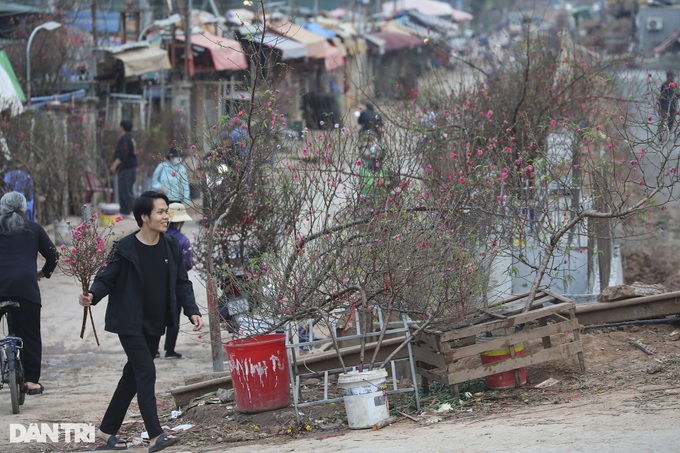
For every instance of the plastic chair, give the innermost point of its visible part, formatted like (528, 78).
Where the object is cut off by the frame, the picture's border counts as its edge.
(91, 188)
(21, 181)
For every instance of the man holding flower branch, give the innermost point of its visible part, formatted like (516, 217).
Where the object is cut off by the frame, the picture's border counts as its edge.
(146, 282)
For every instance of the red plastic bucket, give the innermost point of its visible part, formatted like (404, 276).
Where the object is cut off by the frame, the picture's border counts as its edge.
(506, 379)
(259, 372)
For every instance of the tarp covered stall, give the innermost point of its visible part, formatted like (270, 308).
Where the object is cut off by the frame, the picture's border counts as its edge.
(442, 25)
(239, 16)
(317, 46)
(12, 96)
(404, 25)
(144, 61)
(136, 58)
(347, 33)
(289, 49)
(388, 41)
(430, 7)
(334, 57)
(314, 43)
(215, 52)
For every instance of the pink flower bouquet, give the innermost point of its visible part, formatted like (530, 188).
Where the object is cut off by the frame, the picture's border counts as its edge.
(88, 252)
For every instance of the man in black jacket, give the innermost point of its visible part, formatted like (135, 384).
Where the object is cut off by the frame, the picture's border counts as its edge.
(146, 282)
(125, 166)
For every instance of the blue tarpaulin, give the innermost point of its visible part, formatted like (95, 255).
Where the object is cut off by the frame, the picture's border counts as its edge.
(41, 101)
(106, 22)
(318, 29)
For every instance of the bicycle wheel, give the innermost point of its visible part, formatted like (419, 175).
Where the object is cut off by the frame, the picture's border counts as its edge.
(14, 381)
(19, 373)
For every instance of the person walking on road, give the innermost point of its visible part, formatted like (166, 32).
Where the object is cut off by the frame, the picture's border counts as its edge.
(240, 140)
(178, 215)
(125, 167)
(370, 121)
(668, 105)
(146, 282)
(21, 240)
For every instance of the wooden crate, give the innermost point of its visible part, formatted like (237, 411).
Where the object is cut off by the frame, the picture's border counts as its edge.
(439, 354)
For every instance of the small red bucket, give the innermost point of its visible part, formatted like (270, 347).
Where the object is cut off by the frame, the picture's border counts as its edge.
(506, 379)
(259, 372)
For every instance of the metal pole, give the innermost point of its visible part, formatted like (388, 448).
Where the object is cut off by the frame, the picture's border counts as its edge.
(28, 66)
(188, 56)
(51, 25)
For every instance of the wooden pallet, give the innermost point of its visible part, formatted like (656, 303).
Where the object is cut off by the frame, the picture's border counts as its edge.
(439, 354)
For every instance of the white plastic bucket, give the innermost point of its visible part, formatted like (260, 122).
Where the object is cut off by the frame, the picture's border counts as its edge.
(365, 397)
(62, 233)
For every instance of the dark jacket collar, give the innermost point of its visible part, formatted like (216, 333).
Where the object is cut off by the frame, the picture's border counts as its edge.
(126, 249)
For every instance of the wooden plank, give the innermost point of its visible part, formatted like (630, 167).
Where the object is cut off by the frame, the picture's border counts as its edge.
(184, 394)
(559, 297)
(523, 336)
(521, 318)
(543, 322)
(195, 378)
(429, 375)
(516, 307)
(629, 309)
(461, 372)
(432, 339)
(515, 298)
(512, 307)
(577, 337)
(428, 356)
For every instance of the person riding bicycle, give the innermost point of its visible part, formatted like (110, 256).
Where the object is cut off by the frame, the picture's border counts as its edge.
(20, 242)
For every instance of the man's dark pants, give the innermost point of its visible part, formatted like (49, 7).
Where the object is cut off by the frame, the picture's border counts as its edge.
(126, 182)
(139, 378)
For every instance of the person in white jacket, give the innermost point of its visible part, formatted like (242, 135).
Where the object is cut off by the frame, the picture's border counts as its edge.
(170, 178)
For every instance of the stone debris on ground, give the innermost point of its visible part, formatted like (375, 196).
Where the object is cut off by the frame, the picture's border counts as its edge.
(637, 289)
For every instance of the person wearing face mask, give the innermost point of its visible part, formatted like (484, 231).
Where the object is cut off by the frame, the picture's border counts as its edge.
(170, 178)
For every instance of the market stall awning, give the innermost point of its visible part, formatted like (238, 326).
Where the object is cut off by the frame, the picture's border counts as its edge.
(143, 61)
(390, 41)
(347, 34)
(317, 46)
(404, 25)
(11, 95)
(289, 49)
(430, 7)
(442, 25)
(461, 16)
(227, 54)
(239, 15)
(334, 57)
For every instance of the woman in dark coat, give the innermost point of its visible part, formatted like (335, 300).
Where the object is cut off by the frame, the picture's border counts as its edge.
(20, 242)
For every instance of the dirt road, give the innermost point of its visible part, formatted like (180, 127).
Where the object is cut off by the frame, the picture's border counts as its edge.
(618, 406)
